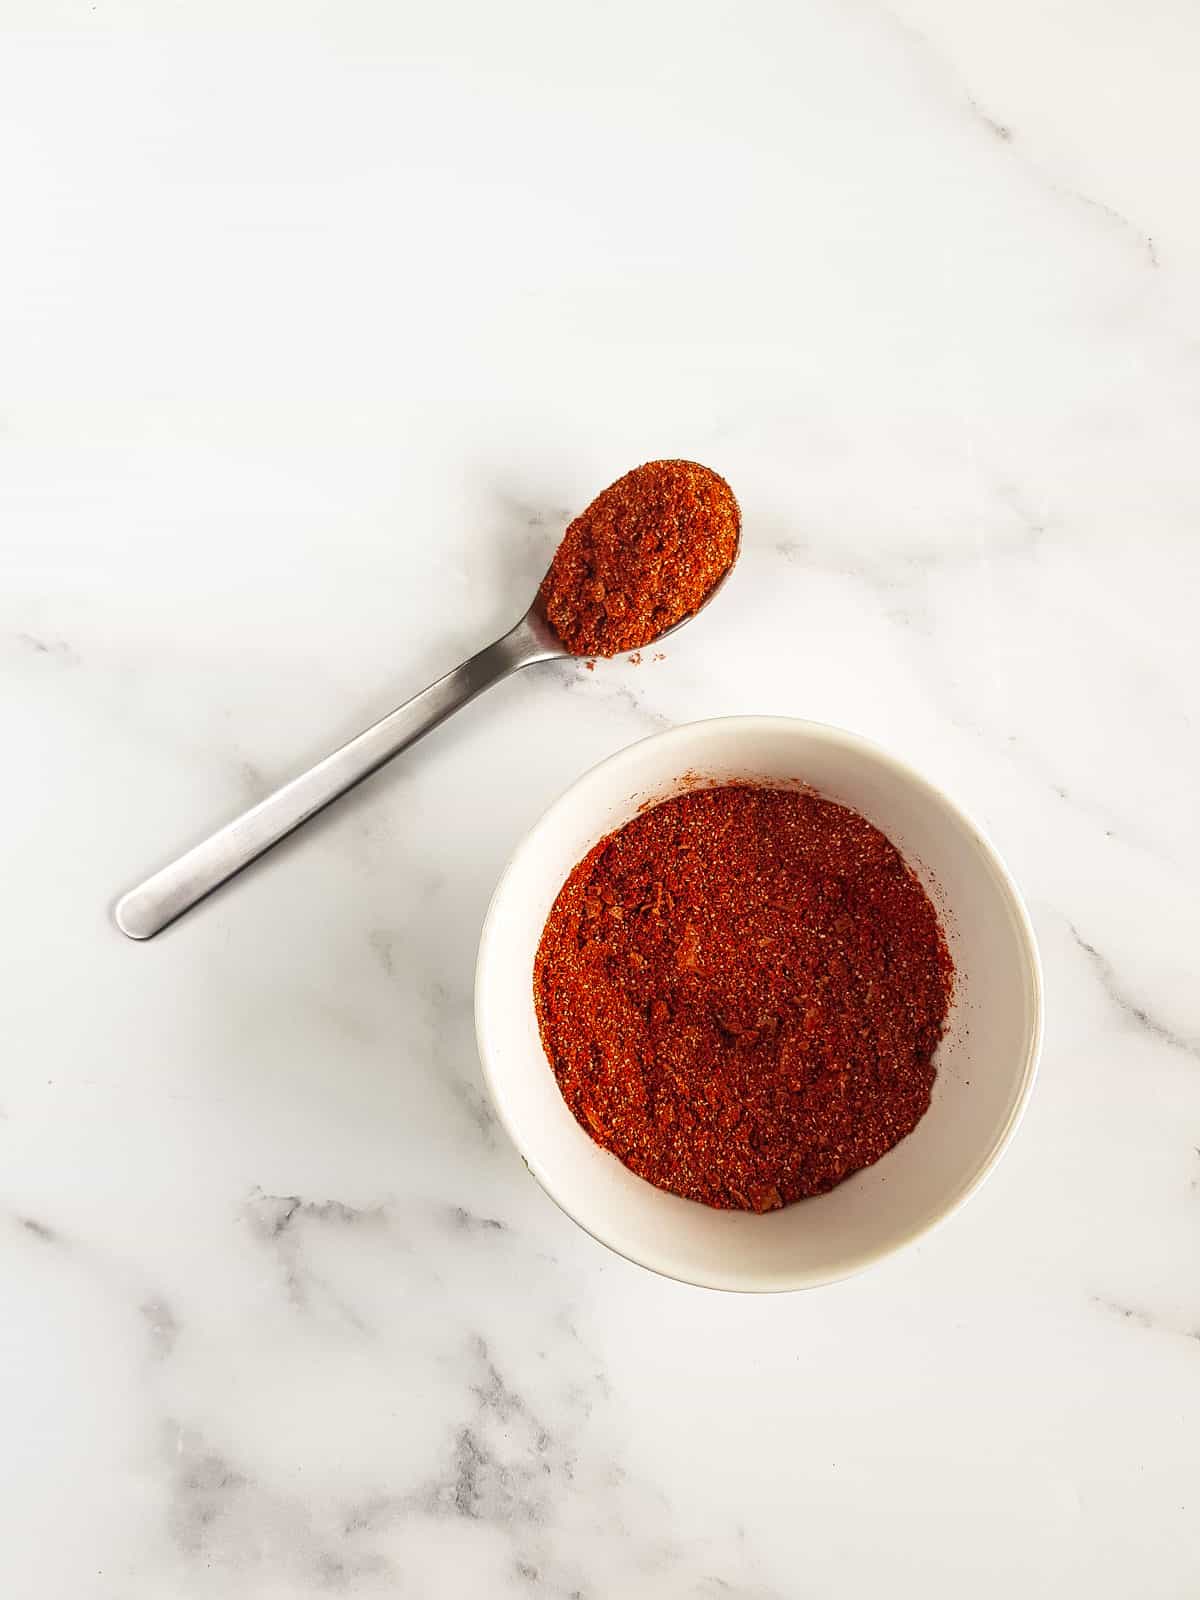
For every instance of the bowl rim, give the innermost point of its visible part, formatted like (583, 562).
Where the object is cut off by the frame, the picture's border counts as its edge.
(832, 733)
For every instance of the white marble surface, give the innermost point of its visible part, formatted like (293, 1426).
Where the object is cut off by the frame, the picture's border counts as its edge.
(316, 322)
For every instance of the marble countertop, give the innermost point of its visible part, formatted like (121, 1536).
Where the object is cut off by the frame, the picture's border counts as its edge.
(317, 324)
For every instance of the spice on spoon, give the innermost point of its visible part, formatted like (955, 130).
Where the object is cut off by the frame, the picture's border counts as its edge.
(740, 993)
(644, 555)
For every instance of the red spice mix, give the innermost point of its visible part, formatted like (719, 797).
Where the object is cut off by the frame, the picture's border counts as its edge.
(644, 555)
(741, 992)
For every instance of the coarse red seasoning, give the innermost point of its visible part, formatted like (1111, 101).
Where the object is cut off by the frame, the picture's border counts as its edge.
(644, 555)
(741, 992)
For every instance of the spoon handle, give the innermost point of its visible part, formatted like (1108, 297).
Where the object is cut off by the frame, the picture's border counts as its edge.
(146, 910)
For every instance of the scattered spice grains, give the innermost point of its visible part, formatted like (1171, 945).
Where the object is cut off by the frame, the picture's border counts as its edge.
(741, 992)
(644, 555)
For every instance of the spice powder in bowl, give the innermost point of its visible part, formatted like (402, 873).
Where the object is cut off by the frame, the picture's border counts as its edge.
(741, 992)
(645, 554)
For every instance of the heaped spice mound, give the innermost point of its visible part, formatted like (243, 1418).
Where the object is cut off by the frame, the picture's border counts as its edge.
(645, 554)
(741, 992)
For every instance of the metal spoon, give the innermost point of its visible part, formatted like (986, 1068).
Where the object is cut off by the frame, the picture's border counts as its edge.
(148, 909)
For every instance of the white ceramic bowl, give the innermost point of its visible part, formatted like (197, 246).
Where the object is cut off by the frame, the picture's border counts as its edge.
(985, 1063)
